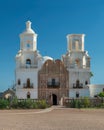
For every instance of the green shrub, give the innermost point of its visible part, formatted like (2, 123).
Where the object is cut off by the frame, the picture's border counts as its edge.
(86, 102)
(101, 94)
(14, 103)
(4, 104)
(79, 103)
(42, 104)
(28, 104)
(72, 103)
(21, 104)
(35, 105)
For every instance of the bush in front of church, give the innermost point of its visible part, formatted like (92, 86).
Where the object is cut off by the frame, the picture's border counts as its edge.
(28, 104)
(79, 103)
(4, 104)
(42, 104)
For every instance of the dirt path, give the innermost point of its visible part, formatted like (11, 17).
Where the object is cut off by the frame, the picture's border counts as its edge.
(54, 118)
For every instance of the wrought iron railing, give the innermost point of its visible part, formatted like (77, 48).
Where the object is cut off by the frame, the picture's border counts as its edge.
(28, 85)
(53, 85)
(80, 85)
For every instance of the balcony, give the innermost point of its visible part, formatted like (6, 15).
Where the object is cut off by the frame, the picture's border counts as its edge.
(53, 84)
(28, 66)
(28, 86)
(80, 85)
(31, 66)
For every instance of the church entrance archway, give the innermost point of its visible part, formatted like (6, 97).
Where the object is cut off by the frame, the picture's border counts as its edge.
(54, 98)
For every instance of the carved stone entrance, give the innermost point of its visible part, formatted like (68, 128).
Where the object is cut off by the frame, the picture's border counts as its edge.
(53, 82)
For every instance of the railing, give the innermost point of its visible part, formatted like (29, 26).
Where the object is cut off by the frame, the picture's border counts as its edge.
(80, 67)
(29, 66)
(53, 85)
(78, 85)
(28, 86)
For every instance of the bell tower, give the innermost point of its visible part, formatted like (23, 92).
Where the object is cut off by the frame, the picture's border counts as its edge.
(28, 39)
(28, 62)
(75, 42)
(77, 62)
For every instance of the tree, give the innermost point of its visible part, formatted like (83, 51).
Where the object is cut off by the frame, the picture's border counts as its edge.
(101, 94)
(91, 74)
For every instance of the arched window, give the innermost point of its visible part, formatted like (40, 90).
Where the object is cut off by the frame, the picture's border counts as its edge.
(86, 82)
(77, 61)
(28, 95)
(77, 94)
(77, 83)
(73, 45)
(28, 62)
(77, 44)
(28, 83)
(19, 82)
(53, 82)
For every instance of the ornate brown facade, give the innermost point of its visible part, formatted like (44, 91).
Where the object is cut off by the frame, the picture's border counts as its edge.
(53, 81)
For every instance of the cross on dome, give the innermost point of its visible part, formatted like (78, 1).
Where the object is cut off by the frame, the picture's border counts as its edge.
(28, 25)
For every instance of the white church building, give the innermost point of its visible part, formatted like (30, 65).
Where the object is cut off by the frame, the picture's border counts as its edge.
(29, 62)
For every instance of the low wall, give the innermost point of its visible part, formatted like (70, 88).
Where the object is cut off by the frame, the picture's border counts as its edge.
(91, 102)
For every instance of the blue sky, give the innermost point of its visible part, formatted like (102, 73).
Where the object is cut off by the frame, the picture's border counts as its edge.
(52, 20)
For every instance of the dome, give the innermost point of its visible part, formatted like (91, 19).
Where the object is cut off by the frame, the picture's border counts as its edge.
(45, 58)
(28, 30)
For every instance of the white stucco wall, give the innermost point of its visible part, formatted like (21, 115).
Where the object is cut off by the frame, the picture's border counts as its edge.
(95, 89)
(82, 92)
(81, 75)
(22, 93)
(23, 74)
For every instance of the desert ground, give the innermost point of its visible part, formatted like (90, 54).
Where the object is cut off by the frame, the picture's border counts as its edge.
(54, 118)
